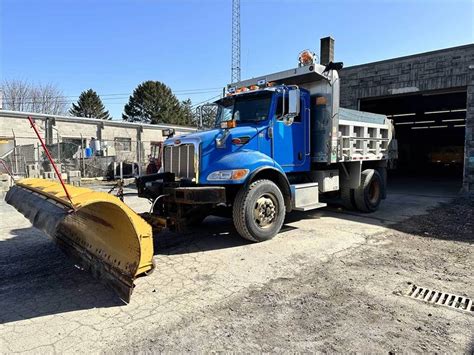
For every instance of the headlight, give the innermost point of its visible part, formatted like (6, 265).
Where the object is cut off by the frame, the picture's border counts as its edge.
(220, 175)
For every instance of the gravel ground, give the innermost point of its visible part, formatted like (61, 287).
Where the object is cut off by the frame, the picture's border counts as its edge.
(332, 281)
(355, 301)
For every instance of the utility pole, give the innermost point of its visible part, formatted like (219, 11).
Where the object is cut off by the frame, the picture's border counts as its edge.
(235, 41)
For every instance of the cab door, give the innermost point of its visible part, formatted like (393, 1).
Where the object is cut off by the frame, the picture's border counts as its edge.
(290, 136)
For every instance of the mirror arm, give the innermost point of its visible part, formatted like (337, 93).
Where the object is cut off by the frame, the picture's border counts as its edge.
(283, 104)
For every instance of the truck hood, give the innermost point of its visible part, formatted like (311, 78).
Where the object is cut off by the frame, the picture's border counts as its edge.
(209, 153)
(208, 139)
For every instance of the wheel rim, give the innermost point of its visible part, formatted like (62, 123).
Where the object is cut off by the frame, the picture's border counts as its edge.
(265, 210)
(374, 191)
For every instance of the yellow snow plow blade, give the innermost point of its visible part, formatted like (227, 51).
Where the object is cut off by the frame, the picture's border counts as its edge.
(101, 233)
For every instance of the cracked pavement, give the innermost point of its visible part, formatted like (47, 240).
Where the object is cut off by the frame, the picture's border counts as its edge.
(48, 305)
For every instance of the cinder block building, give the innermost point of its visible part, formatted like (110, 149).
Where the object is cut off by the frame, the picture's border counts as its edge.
(430, 97)
(119, 140)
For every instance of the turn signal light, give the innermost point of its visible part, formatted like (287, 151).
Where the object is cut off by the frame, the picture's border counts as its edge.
(321, 100)
(229, 124)
(239, 174)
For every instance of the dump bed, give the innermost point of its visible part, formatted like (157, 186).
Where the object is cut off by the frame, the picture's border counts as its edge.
(337, 134)
(363, 135)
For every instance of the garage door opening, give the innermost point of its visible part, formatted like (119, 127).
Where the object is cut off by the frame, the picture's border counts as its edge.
(430, 130)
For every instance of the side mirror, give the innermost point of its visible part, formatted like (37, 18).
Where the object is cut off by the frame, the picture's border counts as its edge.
(294, 102)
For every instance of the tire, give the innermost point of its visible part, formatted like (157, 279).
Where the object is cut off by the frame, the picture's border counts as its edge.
(347, 197)
(368, 195)
(259, 211)
(383, 177)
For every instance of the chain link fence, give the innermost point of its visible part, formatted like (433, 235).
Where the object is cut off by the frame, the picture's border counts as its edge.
(93, 158)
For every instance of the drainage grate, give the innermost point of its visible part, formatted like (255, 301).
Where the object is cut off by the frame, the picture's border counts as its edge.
(442, 298)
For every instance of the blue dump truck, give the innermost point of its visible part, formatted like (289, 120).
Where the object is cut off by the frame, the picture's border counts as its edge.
(280, 143)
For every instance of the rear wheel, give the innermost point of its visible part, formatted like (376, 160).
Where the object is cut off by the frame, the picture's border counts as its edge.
(368, 195)
(347, 197)
(259, 211)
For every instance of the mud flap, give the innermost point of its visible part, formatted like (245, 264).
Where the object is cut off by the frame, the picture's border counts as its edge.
(101, 233)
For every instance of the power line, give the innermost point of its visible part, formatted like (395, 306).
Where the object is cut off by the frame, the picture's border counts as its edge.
(126, 95)
(205, 101)
(107, 100)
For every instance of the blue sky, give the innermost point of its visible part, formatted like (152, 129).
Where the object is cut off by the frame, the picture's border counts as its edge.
(113, 45)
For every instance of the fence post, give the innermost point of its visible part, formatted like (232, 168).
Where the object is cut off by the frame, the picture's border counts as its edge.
(59, 147)
(82, 163)
(15, 154)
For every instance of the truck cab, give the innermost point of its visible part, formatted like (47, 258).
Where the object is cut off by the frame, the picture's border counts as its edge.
(279, 144)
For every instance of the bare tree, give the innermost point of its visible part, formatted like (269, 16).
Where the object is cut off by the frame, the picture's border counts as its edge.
(20, 95)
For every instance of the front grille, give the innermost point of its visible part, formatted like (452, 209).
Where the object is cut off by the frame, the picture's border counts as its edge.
(179, 160)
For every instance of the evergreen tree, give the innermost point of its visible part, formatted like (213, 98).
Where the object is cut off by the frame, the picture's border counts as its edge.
(90, 105)
(154, 102)
(188, 117)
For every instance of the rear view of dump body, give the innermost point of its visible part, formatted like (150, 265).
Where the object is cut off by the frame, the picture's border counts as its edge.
(97, 230)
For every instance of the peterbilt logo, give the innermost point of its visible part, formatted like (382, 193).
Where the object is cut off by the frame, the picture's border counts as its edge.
(177, 142)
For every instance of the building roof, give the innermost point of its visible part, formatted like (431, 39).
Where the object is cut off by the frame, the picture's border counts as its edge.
(411, 56)
(94, 121)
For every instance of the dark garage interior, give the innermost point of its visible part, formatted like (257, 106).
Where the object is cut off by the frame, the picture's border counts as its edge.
(430, 130)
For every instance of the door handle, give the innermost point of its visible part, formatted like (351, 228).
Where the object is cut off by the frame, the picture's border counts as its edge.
(270, 132)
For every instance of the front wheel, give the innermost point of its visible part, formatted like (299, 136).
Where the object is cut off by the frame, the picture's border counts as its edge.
(259, 211)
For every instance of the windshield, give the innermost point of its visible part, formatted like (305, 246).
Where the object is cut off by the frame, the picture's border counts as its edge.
(244, 108)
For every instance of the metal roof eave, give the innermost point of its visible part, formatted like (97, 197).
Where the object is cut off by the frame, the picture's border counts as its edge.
(94, 121)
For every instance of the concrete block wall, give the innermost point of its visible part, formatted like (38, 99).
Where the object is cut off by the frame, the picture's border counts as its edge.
(110, 133)
(149, 136)
(435, 70)
(20, 128)
(74, 130)
(468, 182)
(5, 183)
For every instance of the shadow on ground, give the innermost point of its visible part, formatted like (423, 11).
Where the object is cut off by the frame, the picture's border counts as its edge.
(213, 233)
(426, 208)
(37, 279)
